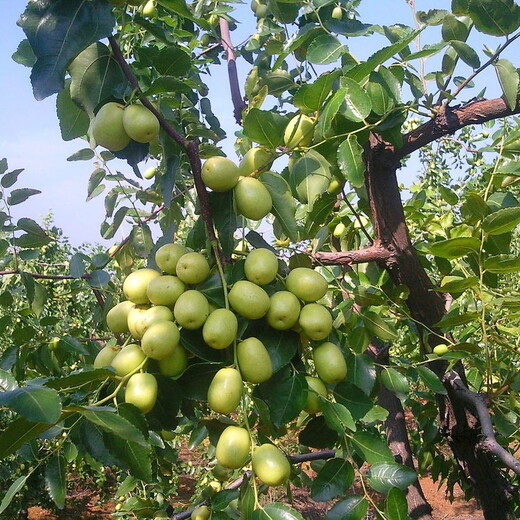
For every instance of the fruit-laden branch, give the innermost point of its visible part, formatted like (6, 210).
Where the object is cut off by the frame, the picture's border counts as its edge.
(450, 119)
(190, 147)
(238, 102)
(360, 256)
(489, 442)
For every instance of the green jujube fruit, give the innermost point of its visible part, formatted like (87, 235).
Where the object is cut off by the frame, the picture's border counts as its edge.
(254, 361)
(105, 356)
(220, 329)
(107, 127)
(329, 363)
(141, 391)
(167, 256)
(139, 320)
(256, 159)
(117, 317)
(284, 310)
(225, 391)
(316, 321)
(174, 364)
(136, 285)
(220, 174)
(192, 268)
(160, 340)
(249, 300)
(307, 284)
(128, 359)
(252, 198)
(261, 266)
(316, 386)
(270, 465)
(165, 290)
(233, 447)
(191, 310)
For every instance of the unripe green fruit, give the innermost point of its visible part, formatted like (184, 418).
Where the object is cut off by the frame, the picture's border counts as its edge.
(191, 310)
(174, 364)
(298, 131)
(140, 124)
(200, 513)
(167, 256)
(270, 465)
(337, 13)
(283, 311)
(307, 284)
(221, 473)
(316, 321)
(220, 329)
(441, 349)
(261, 266)
(339, 230)
(256, 159)
(205, 40)
(135, 320)
(141, 391)
(254, 361)
(139, 320)
(136, 285)
(165, 290)
(128, 359)
(105, 356)
(117, 317)
(316, 386)
(252, 198)
(329, 363)
(249, 300)
(225, 391)
(149, 173)
(54, 343)
(107, 128)
(149, 9)
(161, 340)
(192, 268)
(220, 174)
(168, 435)
(233, 447)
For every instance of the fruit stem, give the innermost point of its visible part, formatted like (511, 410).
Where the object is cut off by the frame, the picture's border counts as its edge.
(218, 261)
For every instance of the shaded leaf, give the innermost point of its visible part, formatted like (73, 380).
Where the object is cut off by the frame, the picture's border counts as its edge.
(35, 403)
(385, 475)
(372, 448)
(11, 492)
(325, 49)
(352, 507)
(333, 479)
(264, 127)
(501, 221)
(56, 479)
(350, 161)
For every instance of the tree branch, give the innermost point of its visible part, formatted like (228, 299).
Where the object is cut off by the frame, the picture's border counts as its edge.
(236, 97)
(375, 253)
(39, 276)
(489, 443)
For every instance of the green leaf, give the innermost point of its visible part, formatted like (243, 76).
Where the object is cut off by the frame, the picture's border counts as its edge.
(361, 372)
(379, 326)
(394, 381)
(141, 239)
(264, 127)
(56, 479)
(334, 479)
(431, 380)
(7, 381)
(167, 84)
(74, 121)
(325, 49)
(169, 61)
(509, 80)
(495, 17)
(137, 457)
(284, 207)
(502, 264)
(501, 221)
(357, 104)
(179, 7)
(11, 492)
(111, 422)
(456, 284)
(352, 507)
(35, 403)
(9, 178)
(24, 54)
(320, 214)
(18, 433)
(276, 511)
(98, 278)
(453, 319)
(337, 416)
(384, 90)
(82, 155)
(328, 113)
(309, 97)
(282, 345)
(372, 448)
(350, 161)
(454, 29)
(454, 247)
(79, 379)
(385, 475)
(466, 53)
(21, 195)
(353, 398)
(58, 31)
(396, 505)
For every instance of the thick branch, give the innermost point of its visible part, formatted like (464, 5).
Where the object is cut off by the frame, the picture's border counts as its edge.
(489, 442)
(360, 256)
(236, 97)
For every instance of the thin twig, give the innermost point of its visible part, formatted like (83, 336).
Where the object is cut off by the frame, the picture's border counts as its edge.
(85, 276)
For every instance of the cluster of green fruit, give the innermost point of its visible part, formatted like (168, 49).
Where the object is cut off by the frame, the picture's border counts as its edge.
(115, 125)
(159, 305)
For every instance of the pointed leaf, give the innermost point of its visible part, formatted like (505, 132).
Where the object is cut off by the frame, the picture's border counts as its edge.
(276, 511)
(328, 113)
(325, 49)
(394, 381)
(264, 127)
(357, 104)
(372, 448)
(385, 475)
(11, 492)
(501, 221)
(18, 433)
(431, 380)
(509, 80)
(35, 403)
(495, 17)
(396, 505)
(56, 479)
(334, 479)
(350, 161)
(379, 326)
(454, 247)
(309, 97)
(21, 195)
(502, 264)
(466, 53)
(352, 507)
(337, 417)
(361, 372)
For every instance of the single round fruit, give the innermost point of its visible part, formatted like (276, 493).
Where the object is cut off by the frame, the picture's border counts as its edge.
(270, 465)
(139, 320)
(233, 447)
(192, 268)
(191, 310)
(316, 386)
(107, 127)
(220, 329)
(168, 435)
(254, 361)
(135, 319)
(307, 284)
(174, 364)
(167, 256)
(200, 513)
(160, 340)
(140, 124)
(117, 317)
(256, 160)
(220, 174)
(329, 363)
(298, 131)
(252, 198)
(221, 473)
(141, 391)
(249, 300)
(225, 391)
(165, 290)
(149, 173)
(261, 266)
(149, 9)
(136, 285)
(441, 349)
(316, 321)
(105, 356)
(54, 344)
(128, 359)
(337, 13)
(284, 310)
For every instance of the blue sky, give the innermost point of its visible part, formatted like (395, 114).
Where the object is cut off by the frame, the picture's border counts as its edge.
(30, 136)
